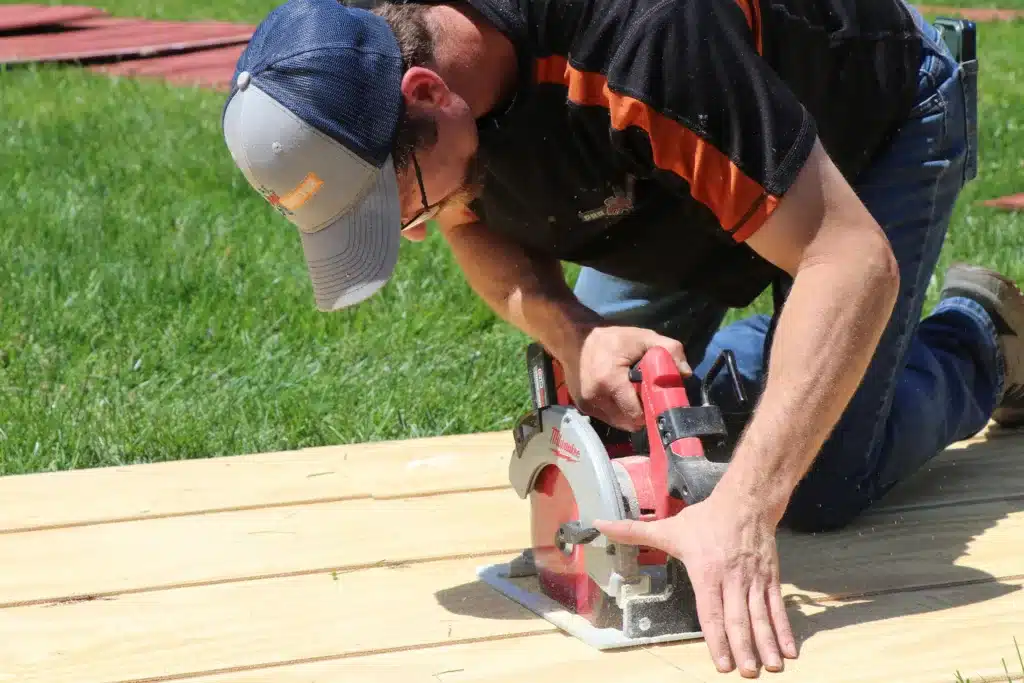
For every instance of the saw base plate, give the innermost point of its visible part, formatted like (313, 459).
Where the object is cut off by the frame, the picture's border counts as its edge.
(525, 590)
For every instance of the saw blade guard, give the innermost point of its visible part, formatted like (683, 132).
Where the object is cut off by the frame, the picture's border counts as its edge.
(565, 440)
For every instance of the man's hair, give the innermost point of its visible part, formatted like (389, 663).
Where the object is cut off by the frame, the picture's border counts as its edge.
(408, 21)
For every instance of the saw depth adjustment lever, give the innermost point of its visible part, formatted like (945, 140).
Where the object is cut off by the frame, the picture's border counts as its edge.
(677, 432)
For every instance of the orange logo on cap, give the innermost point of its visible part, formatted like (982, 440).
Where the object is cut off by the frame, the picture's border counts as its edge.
(309, 186)
(285, 205)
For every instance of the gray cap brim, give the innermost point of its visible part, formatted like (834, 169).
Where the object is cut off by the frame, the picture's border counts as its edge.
(346, 209)
(352, 258)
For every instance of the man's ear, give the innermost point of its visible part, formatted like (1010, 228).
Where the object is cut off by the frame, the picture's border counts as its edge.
(423, 88)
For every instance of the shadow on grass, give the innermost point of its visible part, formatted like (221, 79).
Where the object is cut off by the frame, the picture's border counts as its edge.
(896, 561)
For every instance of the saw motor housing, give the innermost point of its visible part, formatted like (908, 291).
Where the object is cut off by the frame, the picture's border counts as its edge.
(574, 469)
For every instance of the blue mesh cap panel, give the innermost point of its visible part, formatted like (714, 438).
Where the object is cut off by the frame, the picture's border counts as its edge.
(338, 68)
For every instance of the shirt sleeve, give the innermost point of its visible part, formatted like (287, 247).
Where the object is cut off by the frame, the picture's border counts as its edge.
(692, 100)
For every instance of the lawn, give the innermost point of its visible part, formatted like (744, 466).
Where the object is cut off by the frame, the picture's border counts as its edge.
(154, 308)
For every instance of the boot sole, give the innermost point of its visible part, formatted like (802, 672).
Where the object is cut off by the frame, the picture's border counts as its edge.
(1007, 304)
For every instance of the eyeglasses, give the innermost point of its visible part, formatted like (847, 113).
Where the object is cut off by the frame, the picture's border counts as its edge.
(428, 212)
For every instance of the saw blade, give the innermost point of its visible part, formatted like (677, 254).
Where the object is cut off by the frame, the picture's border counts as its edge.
(565, 456)
(560, 565)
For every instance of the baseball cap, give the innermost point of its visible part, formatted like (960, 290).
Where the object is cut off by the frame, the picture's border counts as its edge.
(310, 121)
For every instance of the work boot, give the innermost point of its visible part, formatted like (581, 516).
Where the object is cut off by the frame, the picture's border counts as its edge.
(1003, 300)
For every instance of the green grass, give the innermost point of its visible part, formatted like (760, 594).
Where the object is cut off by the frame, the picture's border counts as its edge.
(1011, 677)
(153, 307)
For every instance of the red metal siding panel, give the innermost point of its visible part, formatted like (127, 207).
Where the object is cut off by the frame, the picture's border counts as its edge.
(211, 68)
(116, 37)
(1013, 202)
(21, 17)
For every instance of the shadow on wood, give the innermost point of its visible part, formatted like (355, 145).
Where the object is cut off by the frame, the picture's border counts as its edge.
(918, 547)
(477, 599)
(908, 549)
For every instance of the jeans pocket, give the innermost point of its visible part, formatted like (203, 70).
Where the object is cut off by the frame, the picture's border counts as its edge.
(969, 80)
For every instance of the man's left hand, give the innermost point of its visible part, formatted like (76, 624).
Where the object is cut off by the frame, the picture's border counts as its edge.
(730, 553)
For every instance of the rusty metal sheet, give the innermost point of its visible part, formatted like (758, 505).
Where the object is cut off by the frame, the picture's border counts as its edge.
(211, 68)
(21, 17)
(108, 37)
(1013, 202)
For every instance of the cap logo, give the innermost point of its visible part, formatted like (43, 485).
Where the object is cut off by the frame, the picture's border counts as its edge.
(275, 201)
(291, 202)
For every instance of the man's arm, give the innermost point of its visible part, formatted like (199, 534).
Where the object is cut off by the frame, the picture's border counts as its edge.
(526, 290)
(531, 293)
(845, 285)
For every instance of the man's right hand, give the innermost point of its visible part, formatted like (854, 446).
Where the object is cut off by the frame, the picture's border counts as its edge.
(598, 372)
(530, 292)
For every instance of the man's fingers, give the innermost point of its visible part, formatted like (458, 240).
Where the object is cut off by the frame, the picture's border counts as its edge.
(629, 407)
(630, 532)
(707, 590)
(676, 350)
(764, 633)
(780, 620)
(735, 602)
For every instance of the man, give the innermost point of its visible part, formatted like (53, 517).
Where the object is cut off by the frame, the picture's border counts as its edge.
(689, 154)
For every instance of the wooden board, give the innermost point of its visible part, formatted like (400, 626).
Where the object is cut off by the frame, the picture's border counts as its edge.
(924, 636)
(332, 621)
(400, 469)
(143, 555)
(357, 563)
(324, 474)
(952, 545)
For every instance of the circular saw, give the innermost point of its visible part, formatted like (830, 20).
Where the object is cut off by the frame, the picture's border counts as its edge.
(575, 469)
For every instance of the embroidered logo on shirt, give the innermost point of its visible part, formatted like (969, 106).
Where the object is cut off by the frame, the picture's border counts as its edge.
(619, 204)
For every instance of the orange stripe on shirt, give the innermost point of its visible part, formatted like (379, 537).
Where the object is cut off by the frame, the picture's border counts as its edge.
(714, 179)
(752, 11)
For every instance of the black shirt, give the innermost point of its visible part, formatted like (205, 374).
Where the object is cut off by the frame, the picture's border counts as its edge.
(650, 138)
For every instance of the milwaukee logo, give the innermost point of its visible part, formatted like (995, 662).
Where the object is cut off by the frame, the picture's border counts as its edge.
(563, 449)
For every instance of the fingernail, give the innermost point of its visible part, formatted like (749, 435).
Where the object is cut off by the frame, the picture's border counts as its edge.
(724, 664)
(773, 663)
(750, 665)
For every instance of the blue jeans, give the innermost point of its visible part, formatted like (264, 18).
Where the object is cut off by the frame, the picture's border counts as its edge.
(930, 382)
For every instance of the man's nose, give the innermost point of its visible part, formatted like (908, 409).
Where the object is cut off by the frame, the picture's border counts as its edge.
(416, 233)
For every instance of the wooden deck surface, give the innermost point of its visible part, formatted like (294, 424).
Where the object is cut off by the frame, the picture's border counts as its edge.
(356, 564)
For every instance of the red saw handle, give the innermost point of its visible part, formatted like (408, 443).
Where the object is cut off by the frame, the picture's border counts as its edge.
(680, 470)
(677, 469)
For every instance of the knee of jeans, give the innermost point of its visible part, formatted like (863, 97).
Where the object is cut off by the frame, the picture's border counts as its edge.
(609, 296)
(819, 511)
